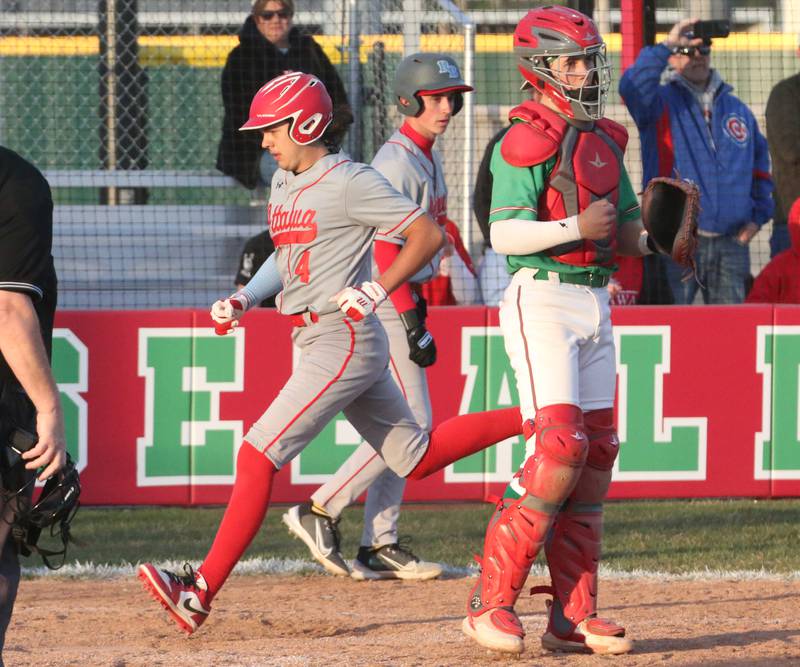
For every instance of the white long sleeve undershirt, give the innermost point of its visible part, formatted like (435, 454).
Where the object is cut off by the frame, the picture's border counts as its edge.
(524, 237)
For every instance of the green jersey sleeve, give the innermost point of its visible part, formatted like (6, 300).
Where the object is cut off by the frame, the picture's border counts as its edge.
(516, 190)
(627, 204)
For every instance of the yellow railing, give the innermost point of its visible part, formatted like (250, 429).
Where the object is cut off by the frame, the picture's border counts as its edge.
(212, 50)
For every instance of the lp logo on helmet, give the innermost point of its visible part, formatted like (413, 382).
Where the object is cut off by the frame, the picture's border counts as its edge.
(446, 67)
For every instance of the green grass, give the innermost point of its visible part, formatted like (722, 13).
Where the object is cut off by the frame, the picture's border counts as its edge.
(664, 536)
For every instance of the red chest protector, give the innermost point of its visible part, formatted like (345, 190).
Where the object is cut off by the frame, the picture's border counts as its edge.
(588, 168)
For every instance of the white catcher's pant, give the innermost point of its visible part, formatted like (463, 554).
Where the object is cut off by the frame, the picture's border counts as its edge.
(560, 344)
(364, 469)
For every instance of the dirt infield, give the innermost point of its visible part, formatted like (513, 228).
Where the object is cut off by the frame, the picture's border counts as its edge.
(322, 620)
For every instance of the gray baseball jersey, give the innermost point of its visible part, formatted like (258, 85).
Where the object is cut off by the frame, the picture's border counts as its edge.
(420, 179)
(329, 214)
(323, 222)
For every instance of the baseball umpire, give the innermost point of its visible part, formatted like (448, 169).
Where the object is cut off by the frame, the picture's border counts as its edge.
(428, 91)
(31, 420)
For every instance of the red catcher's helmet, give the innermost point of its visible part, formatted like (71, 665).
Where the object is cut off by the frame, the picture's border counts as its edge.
(297, 97)
(544, 34)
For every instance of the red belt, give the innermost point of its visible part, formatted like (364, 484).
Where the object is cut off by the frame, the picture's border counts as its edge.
(303, 319)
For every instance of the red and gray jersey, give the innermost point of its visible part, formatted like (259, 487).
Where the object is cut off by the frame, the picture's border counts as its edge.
(420, 179)
(323, 222)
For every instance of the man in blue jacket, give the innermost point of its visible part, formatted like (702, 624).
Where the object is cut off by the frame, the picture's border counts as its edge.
(694, 126)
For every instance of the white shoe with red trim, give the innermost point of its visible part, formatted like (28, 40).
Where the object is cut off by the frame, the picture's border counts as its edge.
(498, 629)
(591, 635)
(182, 595)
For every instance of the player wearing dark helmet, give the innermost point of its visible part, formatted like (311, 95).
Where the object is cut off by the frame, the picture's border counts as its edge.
(428, 90)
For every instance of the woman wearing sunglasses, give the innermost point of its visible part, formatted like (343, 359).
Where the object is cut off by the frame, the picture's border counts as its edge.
(269, 46)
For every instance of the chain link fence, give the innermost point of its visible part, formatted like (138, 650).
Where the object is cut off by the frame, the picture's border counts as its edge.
(120, 103)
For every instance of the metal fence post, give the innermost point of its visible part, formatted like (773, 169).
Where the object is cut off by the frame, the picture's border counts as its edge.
(354, 79)
(123, 97)
(469, 119)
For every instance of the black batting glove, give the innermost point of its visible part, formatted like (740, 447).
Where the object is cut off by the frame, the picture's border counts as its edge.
(421, 346)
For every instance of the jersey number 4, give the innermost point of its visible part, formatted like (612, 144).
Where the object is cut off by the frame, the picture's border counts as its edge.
(302, 269)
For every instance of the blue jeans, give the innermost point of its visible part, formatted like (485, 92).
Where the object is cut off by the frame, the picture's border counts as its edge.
(723, 267)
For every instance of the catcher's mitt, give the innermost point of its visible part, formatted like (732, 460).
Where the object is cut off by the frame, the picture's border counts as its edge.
(669, 212)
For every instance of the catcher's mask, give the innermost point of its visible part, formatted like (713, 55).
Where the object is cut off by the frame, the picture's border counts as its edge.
(546, 33)
(54, 509)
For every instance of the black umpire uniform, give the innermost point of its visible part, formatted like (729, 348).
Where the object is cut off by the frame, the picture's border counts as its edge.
(26, 266)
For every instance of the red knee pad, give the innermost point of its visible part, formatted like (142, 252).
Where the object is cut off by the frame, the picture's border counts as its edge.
(560, 433)
(603, 440)
(560, 454)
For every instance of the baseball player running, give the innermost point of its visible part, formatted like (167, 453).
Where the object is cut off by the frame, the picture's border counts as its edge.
(562, 206)
(324, 211)
(428, 90)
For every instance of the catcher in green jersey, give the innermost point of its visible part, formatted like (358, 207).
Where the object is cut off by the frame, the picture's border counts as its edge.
(562, 208)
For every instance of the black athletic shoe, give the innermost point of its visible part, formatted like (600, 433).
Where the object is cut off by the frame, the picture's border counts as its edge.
(392, 561)
(321, 535)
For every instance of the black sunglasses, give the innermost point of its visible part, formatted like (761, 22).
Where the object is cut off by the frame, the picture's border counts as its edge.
(282, 14)
(703, 50)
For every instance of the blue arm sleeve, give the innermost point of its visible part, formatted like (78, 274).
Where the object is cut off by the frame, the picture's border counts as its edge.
(265, 283)
(761, 193)
(640, 83)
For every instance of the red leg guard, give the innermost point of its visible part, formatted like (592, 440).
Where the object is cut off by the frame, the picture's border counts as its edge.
(513, 539)
(573, 554)
(517, 531)
(573, 551)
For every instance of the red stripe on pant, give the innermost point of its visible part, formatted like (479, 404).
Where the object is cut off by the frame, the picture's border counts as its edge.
(322, 391)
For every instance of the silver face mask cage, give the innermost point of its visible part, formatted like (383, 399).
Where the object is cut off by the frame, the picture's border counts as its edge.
(588, 97)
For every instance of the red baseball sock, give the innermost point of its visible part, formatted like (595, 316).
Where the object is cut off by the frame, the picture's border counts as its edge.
(461, 436)
(243, 516)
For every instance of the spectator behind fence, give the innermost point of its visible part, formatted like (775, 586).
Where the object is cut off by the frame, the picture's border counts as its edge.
(29, 401)
(695, 126)
(255, 252)
(783, 135)
(269, 46)
(779, 281)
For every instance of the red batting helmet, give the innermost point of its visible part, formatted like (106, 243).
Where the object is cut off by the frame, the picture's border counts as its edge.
(544, 34)
(297, 97)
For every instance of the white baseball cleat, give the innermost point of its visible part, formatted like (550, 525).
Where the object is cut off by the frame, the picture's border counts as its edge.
(392, 561)
(320, 534)
(498, 629)
(591, 635)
